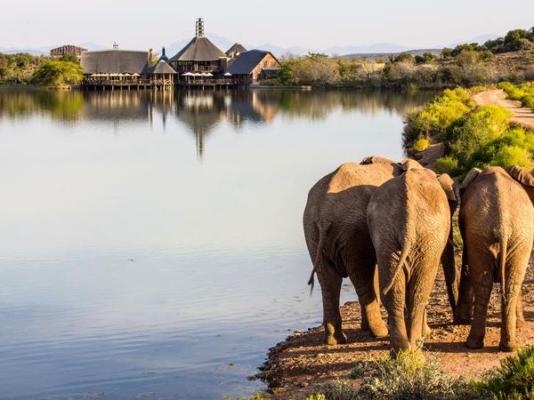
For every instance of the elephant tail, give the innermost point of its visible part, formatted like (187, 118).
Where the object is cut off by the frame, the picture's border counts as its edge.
(502, 264)
(399, 267)
(318, 260)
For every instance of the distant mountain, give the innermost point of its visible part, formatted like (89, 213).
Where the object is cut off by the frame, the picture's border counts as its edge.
(45, 50)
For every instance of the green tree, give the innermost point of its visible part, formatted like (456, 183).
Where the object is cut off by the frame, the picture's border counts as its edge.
(57, 73)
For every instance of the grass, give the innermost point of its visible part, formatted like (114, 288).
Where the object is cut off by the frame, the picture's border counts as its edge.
(410, 377)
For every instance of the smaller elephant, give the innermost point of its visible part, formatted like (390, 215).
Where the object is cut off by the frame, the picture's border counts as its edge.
(497, 226)
(409, 219)
(335, 228)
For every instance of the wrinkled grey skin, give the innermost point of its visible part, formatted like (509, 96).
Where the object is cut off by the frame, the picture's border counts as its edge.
(409, 219)
(497, 225)
(335, 227)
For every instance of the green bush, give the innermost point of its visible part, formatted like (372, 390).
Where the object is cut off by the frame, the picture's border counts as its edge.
(58, 73)
(478, 129)
(438, 116)
(447, 164)
(514, 379)
(421, 144)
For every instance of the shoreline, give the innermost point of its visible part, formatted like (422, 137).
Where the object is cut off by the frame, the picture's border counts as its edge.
(301, 364)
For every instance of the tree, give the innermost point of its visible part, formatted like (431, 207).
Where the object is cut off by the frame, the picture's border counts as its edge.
(57, 73)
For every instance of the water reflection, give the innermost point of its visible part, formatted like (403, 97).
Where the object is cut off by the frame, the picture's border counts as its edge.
(201, 111)
(128, 267)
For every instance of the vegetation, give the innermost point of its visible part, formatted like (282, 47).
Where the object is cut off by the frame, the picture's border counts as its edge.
(58, 73)
(474, 137)
(514, 379)
(39, 70)
(410, 377)
(522, 92)
(507, 58)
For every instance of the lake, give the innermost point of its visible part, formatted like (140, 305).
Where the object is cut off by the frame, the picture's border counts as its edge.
(151, 244)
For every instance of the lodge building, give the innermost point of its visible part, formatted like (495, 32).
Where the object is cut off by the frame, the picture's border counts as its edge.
(199, 64)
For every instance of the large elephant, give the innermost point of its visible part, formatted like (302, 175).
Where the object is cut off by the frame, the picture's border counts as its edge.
(497, 226)
(409, 219)
(335, 227)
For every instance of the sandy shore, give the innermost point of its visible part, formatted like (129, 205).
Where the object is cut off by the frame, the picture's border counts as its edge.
(299, 364)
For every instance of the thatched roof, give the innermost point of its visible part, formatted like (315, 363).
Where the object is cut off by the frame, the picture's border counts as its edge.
(235, 50)
(245, 63)
(199, 49)
(114, 62)
(162, 67)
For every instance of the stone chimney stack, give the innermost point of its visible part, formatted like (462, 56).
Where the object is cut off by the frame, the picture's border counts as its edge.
(150, 55)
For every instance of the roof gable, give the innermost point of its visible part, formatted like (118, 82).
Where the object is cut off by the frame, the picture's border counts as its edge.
(245, 63)
(236, 49)
(199, 49)
(162, 67)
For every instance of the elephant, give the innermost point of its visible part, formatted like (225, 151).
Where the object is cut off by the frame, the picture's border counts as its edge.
(338, 241)
(409, 220)
(497, 226)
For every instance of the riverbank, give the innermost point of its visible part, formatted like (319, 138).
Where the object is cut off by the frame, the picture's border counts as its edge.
(302, 365)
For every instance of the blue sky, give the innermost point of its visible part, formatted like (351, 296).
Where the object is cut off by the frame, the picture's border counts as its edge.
(143, 24)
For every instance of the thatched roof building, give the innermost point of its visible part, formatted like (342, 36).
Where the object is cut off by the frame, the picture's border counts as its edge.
(115, 62)
(235, 50)
(252, 65)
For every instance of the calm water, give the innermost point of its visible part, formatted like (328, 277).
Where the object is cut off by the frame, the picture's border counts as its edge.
(151, 245)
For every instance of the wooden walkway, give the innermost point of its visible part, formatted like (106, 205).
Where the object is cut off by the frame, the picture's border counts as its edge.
(521, 115)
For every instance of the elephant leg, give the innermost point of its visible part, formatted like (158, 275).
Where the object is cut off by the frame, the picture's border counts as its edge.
(330, 282)
(419, 289)
(362, 274)
(395, 302)
(481, 276)
(520, 316)
(452, 275)
(510, 292)
(464, 311)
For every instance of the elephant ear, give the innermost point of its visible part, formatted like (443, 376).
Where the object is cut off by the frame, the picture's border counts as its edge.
(521, 175)
(376, 160)
(449, 186)
(470, 177)
(408, 163)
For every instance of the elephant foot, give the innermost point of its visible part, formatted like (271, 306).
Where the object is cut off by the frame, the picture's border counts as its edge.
(379, 329)
(335, 339)
(474, 342)
(507, 347)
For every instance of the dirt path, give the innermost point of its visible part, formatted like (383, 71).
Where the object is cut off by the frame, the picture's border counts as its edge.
(300, 363)
(521, 115)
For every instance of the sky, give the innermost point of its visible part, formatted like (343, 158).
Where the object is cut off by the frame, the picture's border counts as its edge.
(142, 24)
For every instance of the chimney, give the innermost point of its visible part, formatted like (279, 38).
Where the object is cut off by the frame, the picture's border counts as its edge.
(150, 55)
(115, 46)
(200, 28)
(163, 55)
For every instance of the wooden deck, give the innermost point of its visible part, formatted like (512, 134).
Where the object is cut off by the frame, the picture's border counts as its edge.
(160, 84)
(112, 84)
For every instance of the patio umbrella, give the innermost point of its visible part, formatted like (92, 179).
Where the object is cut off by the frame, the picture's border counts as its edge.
(228, 74)
(208, 74)
(187, 74)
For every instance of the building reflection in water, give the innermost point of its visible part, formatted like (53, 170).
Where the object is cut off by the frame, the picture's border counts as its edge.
(201, 111)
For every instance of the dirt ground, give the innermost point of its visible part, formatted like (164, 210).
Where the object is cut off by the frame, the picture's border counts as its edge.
(300, 363)
(521, 115)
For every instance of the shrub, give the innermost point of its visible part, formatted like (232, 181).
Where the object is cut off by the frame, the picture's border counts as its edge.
(477, 129)
(421, 144)
(514, 379)
(57, 73)
(447, 164)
